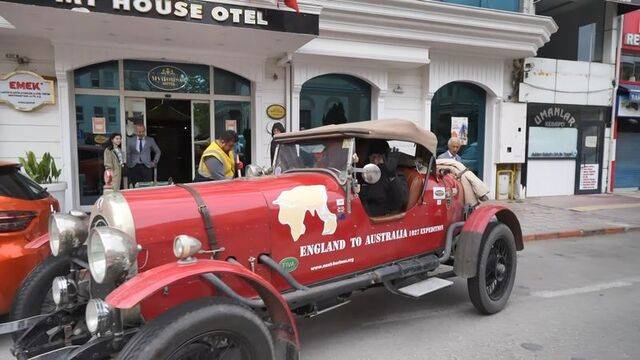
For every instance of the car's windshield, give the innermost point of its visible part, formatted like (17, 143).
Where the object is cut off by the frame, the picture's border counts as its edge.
(331, 154)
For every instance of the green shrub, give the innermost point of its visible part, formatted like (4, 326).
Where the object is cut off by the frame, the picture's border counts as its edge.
(43, 172)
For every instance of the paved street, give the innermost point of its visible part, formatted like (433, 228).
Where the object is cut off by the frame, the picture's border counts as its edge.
(574, 299)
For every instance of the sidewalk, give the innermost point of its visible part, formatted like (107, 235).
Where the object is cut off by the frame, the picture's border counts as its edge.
(577, 215)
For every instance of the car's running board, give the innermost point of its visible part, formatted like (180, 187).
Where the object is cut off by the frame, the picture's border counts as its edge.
(424, 287)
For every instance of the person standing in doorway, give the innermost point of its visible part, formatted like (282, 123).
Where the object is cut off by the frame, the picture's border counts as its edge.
(114, 161)
(139, 160)
(218, 162)
(276, 129)
(454, 146)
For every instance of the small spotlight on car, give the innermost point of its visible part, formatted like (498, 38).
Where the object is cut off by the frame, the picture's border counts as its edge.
(66, 232)
(98, 316)
(185, 246)
(63, 290)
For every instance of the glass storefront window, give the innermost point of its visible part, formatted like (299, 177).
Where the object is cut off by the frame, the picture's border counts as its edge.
(201, 130)
(558, 143)
(630, 68)
(334, 99)
(166, 77)
(235, 115)
(98, 76)
(227, 83)
(91, 146)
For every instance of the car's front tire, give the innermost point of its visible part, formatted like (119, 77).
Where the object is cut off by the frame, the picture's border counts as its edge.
(34, 295)
(490, 289)
(212, 328)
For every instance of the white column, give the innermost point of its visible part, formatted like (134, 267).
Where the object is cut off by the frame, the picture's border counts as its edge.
(426, 110)
(377, 106)
(259, 154)
(492, 120)
(68, 139)
(295, 107)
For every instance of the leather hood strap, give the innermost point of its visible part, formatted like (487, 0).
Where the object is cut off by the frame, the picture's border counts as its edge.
(206, 217)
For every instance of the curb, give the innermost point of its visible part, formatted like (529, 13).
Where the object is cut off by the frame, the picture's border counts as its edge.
(579, 233)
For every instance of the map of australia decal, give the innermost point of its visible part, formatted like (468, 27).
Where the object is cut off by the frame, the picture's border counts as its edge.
(295, 203)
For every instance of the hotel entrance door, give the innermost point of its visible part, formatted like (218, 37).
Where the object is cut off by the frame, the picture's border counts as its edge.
(169, 123)
(181, 128)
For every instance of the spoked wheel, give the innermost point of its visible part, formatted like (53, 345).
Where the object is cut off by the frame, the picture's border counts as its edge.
(490, 289)
(217, 345)
(208, 328)
(497, 273)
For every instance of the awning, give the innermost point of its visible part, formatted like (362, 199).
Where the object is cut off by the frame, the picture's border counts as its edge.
(633, 90)
(625, 6)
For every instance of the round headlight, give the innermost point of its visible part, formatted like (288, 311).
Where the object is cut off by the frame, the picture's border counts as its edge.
(66, 232)
(98, 316)
(63, 290)
(111, 253)
(185, 246)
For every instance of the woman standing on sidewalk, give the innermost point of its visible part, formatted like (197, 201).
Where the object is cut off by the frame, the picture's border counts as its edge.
(114, 160)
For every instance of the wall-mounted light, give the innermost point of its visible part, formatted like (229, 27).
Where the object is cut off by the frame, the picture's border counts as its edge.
(275, 77)
(398, 89)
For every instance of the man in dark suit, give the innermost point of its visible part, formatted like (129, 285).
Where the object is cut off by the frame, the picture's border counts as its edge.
(139, 159)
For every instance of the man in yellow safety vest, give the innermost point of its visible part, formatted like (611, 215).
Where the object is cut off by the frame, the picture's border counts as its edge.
(218, 161)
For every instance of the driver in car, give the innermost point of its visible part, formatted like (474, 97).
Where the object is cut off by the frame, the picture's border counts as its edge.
(390, 194)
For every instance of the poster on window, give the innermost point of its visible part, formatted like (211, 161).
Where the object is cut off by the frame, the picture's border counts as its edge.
(460, 129)
(99, 125)
(589, 176)
(627, 108)
(231, 125)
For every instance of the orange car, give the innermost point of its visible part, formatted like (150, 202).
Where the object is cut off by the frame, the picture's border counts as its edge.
(24, 216)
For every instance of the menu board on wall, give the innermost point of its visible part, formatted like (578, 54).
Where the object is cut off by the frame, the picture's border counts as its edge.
(589, 176)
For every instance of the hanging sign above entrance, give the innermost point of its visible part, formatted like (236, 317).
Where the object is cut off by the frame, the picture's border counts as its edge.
(205, 12)
(26, 91)
(168, 78)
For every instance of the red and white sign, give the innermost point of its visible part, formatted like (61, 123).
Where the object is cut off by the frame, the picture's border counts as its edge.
(26, 91)
(631, 31)
(589, 176)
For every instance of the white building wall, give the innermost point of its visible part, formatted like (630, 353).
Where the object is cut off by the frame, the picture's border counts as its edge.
(407, 104)
(37, 131)
(272, 92)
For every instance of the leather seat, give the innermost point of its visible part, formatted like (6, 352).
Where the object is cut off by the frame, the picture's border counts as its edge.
(415, 182)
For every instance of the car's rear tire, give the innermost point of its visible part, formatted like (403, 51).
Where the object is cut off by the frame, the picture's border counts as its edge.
(34, 295)
(208, 326)
(490, 289)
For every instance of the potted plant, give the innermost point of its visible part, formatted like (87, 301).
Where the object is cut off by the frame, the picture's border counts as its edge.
(46, 174)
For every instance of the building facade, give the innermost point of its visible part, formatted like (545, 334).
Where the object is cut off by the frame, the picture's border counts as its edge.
(626, 134)
(569, 89)
(191, 70)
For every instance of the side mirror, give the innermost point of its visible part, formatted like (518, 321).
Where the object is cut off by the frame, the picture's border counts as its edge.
(370, 173)
(253, 171)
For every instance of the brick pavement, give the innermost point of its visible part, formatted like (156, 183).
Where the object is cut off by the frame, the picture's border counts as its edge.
(578, 215)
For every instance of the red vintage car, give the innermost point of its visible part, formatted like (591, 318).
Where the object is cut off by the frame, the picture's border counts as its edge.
(220, 270)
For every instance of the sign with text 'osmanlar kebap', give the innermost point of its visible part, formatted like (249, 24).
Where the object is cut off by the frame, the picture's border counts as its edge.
(204, 12)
